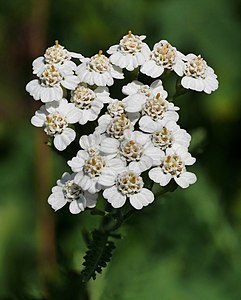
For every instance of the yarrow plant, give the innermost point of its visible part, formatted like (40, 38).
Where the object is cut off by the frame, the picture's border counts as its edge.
(120, 150)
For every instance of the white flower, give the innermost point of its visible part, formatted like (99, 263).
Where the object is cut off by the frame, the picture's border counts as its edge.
(89, 102)
(163, 56)
(173, 165)
(89, 164)
(91, 143)
(55, 117)
(198, 75)
(138, 93)
(98, 70)
(135, 149)
(127, 184)
(157, 109)
(130, 53)
(115, 127)
(165, 134)
(49, 85)
(67, 191)
(56, 54)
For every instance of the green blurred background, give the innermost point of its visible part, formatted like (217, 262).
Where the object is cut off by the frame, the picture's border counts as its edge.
(185, 246)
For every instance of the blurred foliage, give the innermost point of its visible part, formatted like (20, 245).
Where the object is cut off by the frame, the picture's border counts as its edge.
(184, 246)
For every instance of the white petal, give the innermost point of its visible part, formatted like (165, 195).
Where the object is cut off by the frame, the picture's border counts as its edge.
(185, 179)
(134, 102)
(70, 82)
(90, 199)
(39, 118)
(109, 145)
(116, 164)
(131, 88)
(57, 201)
(179, 67)
(76, 206)
(107, 177)
(34, 89)
(144, 164)
(90, 140)
(150, 68)
(147, 124)
(38, 65)
(83, 181)
(155, 154)
(112, 49)
(158, 176)
(61, 141)
(114, 197)
(116, 72)
(141, 199)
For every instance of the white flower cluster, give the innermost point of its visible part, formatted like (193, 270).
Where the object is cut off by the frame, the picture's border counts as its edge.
(135, 134)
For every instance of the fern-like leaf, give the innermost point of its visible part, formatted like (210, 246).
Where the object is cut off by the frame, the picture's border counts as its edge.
(97, 256)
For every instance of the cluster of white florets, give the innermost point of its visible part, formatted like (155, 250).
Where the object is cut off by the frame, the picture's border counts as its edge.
(136, 134)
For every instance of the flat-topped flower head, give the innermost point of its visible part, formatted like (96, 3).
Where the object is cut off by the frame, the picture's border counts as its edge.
(198, 76)
(55, 118)
(135, 149)
(159, 109)
(89, 102)
(67, 191)
(126, 185)
(56, 54)
(138, 93)
(173, 165)
(130, 53)
(51, 80)
(163, 56)
(90, 163)
(165, 134)
(98, 70)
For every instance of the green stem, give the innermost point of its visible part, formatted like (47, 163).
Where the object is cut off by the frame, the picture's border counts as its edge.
(180, 90)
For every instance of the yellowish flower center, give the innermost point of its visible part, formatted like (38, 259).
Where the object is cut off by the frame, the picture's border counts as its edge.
(173, 165)
(54, 124)
(83, 97)
(196, 67)
(129, 183)
(94, 166)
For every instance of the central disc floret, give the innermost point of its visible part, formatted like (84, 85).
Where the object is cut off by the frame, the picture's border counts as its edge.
(118, 125)
(54, 124)
(129, 183)
(155, 107)
(116, 108)
(51, 76)
(71, 191)
(56, 54)
(145, 90)
(196, 67)
(99, 63)
(131, 150)
(164, 54)
(83, 97)
(173, 165)
(162, 138)
(94, 165)
(130, 43)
